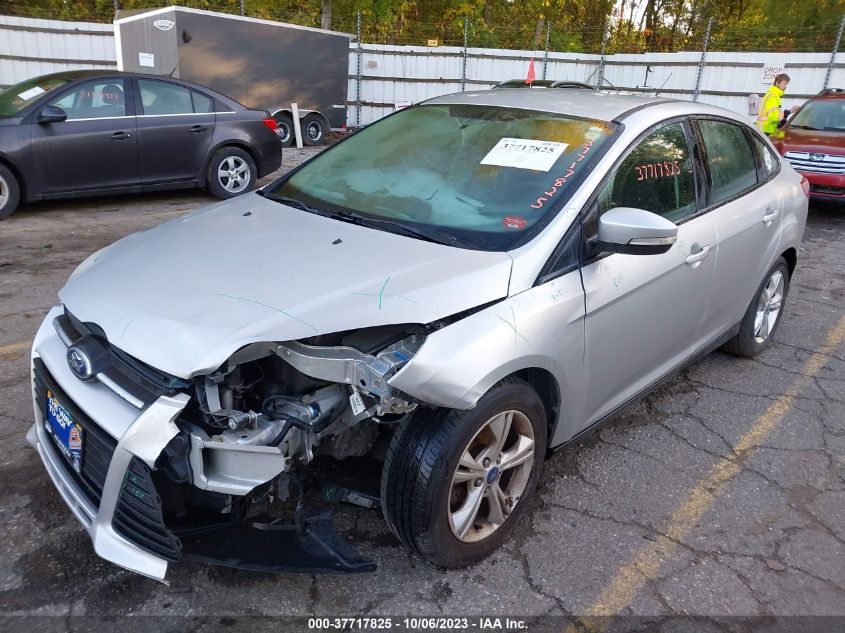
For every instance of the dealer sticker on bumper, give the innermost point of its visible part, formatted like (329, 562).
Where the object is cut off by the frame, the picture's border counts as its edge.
(66, 433)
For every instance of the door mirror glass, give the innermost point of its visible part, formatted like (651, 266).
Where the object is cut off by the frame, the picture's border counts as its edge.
(635, 232)
(52, 114)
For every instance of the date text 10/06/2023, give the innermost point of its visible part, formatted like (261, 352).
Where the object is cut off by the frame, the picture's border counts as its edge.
(423, 623)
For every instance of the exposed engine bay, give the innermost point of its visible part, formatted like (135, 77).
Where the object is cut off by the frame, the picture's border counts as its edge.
(254, 426)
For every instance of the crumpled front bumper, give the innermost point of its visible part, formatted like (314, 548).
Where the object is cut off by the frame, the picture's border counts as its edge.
(120, 506)
(140, 434)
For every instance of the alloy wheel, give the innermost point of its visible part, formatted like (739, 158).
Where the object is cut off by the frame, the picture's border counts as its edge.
(768, 307)
(314, 131)
(491, 476)
(4, 192)
(233, 174)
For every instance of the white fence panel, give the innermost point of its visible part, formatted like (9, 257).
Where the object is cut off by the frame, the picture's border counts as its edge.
(31, 47)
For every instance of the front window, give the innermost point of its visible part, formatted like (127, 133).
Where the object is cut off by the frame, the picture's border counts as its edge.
(483, 175)
(97, 99)
(656, 175)
(15, 98)
(824, 114)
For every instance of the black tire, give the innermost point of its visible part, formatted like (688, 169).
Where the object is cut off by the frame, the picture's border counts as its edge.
(313, 130)
(747, 343)
(422, 458)
(232, 160)
(284, 128)
(10, 192)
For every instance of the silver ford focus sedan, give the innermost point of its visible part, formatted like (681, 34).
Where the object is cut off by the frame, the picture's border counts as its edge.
(453, 292)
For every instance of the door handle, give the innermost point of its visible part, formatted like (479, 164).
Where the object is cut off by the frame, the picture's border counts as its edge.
(119, 136)
(198, 129)
(770, 215)
(698, 255)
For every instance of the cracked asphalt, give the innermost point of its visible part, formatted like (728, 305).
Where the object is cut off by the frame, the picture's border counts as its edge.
(723, 493)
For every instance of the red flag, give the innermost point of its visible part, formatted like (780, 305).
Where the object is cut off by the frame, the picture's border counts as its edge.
(531, 76)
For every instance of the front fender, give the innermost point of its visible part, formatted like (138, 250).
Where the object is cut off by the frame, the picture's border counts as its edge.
(542, 327)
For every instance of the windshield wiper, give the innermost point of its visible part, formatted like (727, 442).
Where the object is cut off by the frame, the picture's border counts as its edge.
(803, 127)
(395, 227)
(293, 202)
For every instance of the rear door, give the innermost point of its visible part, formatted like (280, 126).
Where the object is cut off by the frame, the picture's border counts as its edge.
(175, 127)
(96, 148)
(644, 312)
(745, 203)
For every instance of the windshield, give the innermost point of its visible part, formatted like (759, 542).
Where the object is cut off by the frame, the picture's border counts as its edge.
(15, 98)
(483, 175)
(824, 114)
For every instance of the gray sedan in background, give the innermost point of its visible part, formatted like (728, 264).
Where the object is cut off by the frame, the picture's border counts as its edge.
(94, 132)
(454, 291)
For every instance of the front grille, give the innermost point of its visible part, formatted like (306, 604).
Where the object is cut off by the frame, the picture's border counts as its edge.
(97, 445)
(816, 163)
(138, 514)
(141, 382)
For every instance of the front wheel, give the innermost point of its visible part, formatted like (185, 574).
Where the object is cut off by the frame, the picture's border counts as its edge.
(454, 484)
(231, 173)
(763, 314)
(10, 192)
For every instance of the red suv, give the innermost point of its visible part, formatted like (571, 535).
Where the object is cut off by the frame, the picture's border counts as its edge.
(813, 142)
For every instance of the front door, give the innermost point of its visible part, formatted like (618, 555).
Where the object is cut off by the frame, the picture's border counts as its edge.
(645, 312)
(96, 148)
(175, 127)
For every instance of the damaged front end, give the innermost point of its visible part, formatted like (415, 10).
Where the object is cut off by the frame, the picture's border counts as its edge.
(220, 468)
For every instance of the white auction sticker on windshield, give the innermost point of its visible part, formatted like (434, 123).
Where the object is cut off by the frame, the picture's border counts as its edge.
(524, 154)
(26, 95)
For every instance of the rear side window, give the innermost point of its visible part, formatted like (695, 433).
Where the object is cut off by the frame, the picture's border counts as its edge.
(202, 103)
(656, 176)
(160, 97)
(730, 160)
(767, 158)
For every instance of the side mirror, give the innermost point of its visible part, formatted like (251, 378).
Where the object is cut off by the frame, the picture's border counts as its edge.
(52, 114)
(635, 232)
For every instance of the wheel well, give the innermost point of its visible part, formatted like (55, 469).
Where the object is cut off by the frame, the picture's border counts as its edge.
(791, 258)
(546, 386)
(18, 176)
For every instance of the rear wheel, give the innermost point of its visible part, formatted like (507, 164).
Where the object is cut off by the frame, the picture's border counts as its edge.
(10, 192)
(313, 130)
(763, 314)
(231, 173)
(454, 484)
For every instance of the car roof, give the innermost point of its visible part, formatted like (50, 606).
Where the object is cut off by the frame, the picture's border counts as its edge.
(591, 104)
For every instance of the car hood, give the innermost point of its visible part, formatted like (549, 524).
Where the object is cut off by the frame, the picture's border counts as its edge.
(185, 295)
(823, 142)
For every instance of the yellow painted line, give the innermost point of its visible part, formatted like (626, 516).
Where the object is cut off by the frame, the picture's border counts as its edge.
(633, 576)
(13, 351)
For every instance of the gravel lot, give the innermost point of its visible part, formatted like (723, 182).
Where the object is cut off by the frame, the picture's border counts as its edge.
(721, 494)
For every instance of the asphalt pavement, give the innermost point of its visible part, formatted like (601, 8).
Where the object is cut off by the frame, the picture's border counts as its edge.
(722, 494)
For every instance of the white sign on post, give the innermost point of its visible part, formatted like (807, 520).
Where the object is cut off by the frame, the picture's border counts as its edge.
(770, 71)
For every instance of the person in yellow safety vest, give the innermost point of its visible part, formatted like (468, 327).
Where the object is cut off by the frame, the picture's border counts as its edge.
(769, 113)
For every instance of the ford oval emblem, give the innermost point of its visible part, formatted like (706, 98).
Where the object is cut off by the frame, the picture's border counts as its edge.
(79, 363)
(817, 157)
(164, 25)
